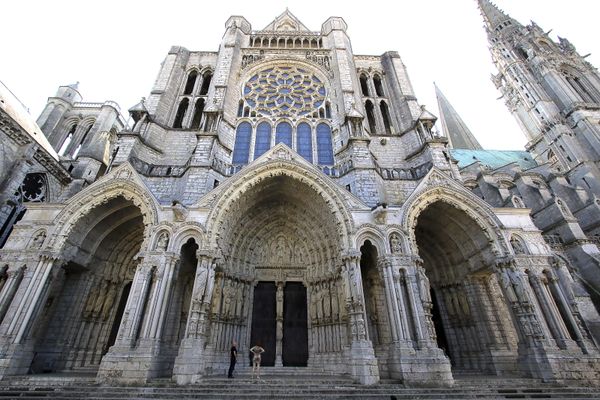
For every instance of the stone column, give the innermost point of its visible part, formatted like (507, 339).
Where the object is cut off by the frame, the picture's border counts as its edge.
(364, 368)
(385, 269)
(158, 306)
(122, 353)
(549, 310)
(13, 279)
(279, 329)
(152, 313)
(415, 357)
(22, 315)
(189, 364)
(534, 346)
(571, 309)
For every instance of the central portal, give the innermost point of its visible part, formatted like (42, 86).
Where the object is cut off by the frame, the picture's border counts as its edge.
(295, 330)
(279, 323)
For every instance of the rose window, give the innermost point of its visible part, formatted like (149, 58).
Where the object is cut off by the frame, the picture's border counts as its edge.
(284, 92)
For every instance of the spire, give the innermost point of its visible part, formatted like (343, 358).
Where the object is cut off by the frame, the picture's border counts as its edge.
(492, 15)
(457, 132)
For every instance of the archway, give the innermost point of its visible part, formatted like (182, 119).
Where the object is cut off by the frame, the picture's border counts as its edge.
(87, 297)
(179, 306)
(469, 314)
(374, 295)
(281, 246)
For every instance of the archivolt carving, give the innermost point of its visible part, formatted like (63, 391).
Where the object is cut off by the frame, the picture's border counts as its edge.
(38, 240)
(185, 232)
(472, 205)
(232, 191)
(373, 234)
(81, 204)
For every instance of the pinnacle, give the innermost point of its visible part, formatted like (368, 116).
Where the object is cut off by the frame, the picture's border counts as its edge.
(492, 15)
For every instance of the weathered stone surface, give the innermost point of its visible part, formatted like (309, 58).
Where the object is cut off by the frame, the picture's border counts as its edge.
(285, 159)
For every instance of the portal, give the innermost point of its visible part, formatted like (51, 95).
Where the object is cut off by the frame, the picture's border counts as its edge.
(295, 330)
(263, 321)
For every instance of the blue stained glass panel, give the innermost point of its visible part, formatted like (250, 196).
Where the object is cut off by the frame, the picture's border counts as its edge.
(304, 141)
(241, 150)
(324, 145)
(263, 139)
(283, 134)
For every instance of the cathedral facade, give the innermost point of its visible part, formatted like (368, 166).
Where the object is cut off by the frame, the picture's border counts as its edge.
(287, 192)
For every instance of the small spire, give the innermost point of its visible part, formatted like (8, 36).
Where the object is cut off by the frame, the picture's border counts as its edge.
(492, 15)
(74, 86)
(458, 133)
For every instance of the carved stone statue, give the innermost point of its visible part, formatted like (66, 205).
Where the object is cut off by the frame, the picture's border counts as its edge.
(38, 240)
(517, 245)
(162, 242)
(395, 243)
(424, 288)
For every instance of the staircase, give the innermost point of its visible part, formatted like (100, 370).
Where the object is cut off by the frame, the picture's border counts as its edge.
(283, 383)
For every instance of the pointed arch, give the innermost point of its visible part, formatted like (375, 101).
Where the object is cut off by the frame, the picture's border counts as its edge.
(117, 184)
(206, 79)
(190, 82)
(461, 199)
(181, 111)
(233, 189)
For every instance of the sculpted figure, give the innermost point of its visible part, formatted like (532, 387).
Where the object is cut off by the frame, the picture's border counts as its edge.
(38, 240)
(424, 289)
(227, 292)
(91, 300)
(334, 301)
(313, 303)
(327, 303)
(517, 245)
(395, 243)
(100, 299)
(239, 300)
(109, 301)
(162, 242)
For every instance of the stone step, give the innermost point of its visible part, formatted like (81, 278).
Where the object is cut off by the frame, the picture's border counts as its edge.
(264, 390)
(307, 385)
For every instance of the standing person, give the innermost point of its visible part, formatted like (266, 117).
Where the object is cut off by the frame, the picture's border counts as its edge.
(232, 359)
(257, 350)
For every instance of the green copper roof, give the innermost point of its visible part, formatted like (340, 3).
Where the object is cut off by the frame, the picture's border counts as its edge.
(493, 158)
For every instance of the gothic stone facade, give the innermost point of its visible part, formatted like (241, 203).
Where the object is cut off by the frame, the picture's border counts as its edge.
(285, 191)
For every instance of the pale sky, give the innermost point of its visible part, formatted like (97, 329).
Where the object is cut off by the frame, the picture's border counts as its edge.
(114, 47)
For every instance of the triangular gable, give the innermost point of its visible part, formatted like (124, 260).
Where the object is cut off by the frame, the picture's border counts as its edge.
(126, 172)
(286, 21)
(279, 152)
(436, 177)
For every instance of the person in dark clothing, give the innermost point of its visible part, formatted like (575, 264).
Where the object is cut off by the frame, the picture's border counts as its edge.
(232, 359)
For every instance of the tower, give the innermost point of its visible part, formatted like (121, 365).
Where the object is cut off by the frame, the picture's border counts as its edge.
(552, 91)
(455, 129)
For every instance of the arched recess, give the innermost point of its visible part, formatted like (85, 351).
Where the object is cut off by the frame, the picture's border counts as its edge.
(374, 295)
(282, 226)
(87, 298)
(457, 240)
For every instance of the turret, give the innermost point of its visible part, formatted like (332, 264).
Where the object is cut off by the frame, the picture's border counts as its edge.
(55, 109)
(551, 90)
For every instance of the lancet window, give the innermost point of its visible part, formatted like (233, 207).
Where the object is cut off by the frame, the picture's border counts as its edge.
(284, 104)
(188, 114)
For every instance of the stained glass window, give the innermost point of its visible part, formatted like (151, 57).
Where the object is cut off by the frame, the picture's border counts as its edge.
(304, 141)
(263, 139)
(284, 91)
(324, 145)
(241, 151)
(283, 134)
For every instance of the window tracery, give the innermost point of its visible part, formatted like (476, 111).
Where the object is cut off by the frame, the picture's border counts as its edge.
(299, 115)
(284, 91)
